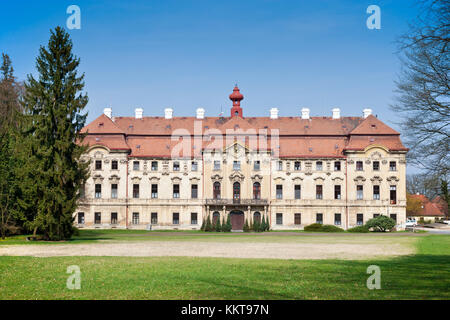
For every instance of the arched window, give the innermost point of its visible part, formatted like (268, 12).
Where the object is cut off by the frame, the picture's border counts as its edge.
(236, 191)
(256, 190)
(216, 215)
(216, 190)
(256, 217)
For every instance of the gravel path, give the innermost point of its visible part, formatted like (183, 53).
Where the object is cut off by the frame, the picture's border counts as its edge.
(214, 249)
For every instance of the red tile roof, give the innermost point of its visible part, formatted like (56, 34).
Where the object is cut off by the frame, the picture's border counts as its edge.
(429, 208)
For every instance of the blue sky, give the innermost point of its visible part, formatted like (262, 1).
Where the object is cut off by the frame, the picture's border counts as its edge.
(187, 54)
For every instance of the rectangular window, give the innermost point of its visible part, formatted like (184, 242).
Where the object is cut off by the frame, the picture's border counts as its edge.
(337, 219)
(135, 191)
(393, 194)
(194, 166)
(98, 191)
(337, 166)
(359, 192)
(114, 165)
(154, 218)
(375, 215)
(337, 192)
(359, 166)
(176, 190)
(297, 191)
(376, 192)
(97, 218)
(256, 165)
(279, 191)
(83, 191)
(216, 164)
(359, 219)
(280, 165)
(113, 217)
(114, 191)
(194, 191)
(319, 166)
(236, 165)
(176, 218)
(80, 217)
(297, 219)
(297, 166)
(136, 165)
(319, 192)
(376, 166)
(98, 164)
(135, 218)
(154, 191)
(154, 165)
(194, 218)
(279, 218)
(319, 218)
(176, 166)
(392, 166)
(393, 216)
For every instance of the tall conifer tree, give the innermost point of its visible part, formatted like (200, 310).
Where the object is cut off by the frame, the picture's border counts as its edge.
(53, 105)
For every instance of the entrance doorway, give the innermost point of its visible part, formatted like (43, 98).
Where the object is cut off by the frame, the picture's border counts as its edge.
(237, 220)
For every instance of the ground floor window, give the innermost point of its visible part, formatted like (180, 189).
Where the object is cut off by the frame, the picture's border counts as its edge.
(80, 217)
(337, 219)
(176, 218)
(279, 218)
(359, 219)
(154, 219)
(135, 218)
(194, 218)
(375, 215)
(97, 218)
(297, 218)
(393, 216)
(319, 218)
(113, 217)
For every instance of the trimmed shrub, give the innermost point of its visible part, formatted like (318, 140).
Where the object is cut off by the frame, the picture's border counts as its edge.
(313, 227)
(380, 224)
(359, 229)
(331, 228)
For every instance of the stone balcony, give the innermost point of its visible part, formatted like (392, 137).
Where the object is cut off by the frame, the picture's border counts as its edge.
(244, 202)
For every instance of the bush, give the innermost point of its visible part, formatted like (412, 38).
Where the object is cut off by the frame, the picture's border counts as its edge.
(380, 224)
(208, 225)
(246, 226)
(314, 227)
(359, 229)
(331, 228)
(218, 226)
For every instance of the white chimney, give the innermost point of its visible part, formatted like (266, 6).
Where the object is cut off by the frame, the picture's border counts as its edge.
(168, 113)
(305, 113)
(138, 113)
(274, 113)
(200, 113)
(108, 112)
(336, 113)
(367, 112)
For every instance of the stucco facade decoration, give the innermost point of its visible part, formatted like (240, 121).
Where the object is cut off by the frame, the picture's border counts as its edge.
(171, 172)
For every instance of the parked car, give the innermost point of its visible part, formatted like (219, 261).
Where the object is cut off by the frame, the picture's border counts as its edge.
(410, 223)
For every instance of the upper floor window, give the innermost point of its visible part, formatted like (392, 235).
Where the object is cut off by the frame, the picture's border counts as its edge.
(154, 165)
(297, 191)
(376, 192)
(280, 165)
(319, 166)
(359, 165)
(135, 191)
(256, 190)
(359, 192)
(98, 164)
(337, 192)
(114, 191)
(135, 165)
(279, 191)
(319, 192)
(236, 165)
(114, 165)
(376, 166)
(176, 166)
(216, 164)
(194, 191)
(297, 166)
(154, 191)
(176, 190)
(337, 166)
(257, 165)
(194, 166)
(393, 194)
(98, 191)
(392, 166)
(216, 190)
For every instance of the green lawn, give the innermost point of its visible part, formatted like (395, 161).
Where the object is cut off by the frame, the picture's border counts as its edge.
(425, 275)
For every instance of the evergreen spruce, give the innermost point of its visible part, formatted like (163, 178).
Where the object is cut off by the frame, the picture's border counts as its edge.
(224, 225)
(228, 227)
(53, 105)
(202, 228)
(246, 226)
(208, 226)
(218, 226)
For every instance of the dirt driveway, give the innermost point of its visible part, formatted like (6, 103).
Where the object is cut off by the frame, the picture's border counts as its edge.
(215, 249)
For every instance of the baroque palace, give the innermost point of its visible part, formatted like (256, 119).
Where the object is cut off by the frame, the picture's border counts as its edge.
(172, 172)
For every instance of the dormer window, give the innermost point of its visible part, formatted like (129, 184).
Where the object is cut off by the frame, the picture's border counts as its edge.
(176, 166)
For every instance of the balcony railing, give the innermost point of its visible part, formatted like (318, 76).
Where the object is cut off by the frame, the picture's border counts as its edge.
(247, 202)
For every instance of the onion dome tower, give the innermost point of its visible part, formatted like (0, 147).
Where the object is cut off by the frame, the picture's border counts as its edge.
(236, 97)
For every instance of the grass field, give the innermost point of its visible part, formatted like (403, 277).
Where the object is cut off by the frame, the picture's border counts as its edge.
(424, 275)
